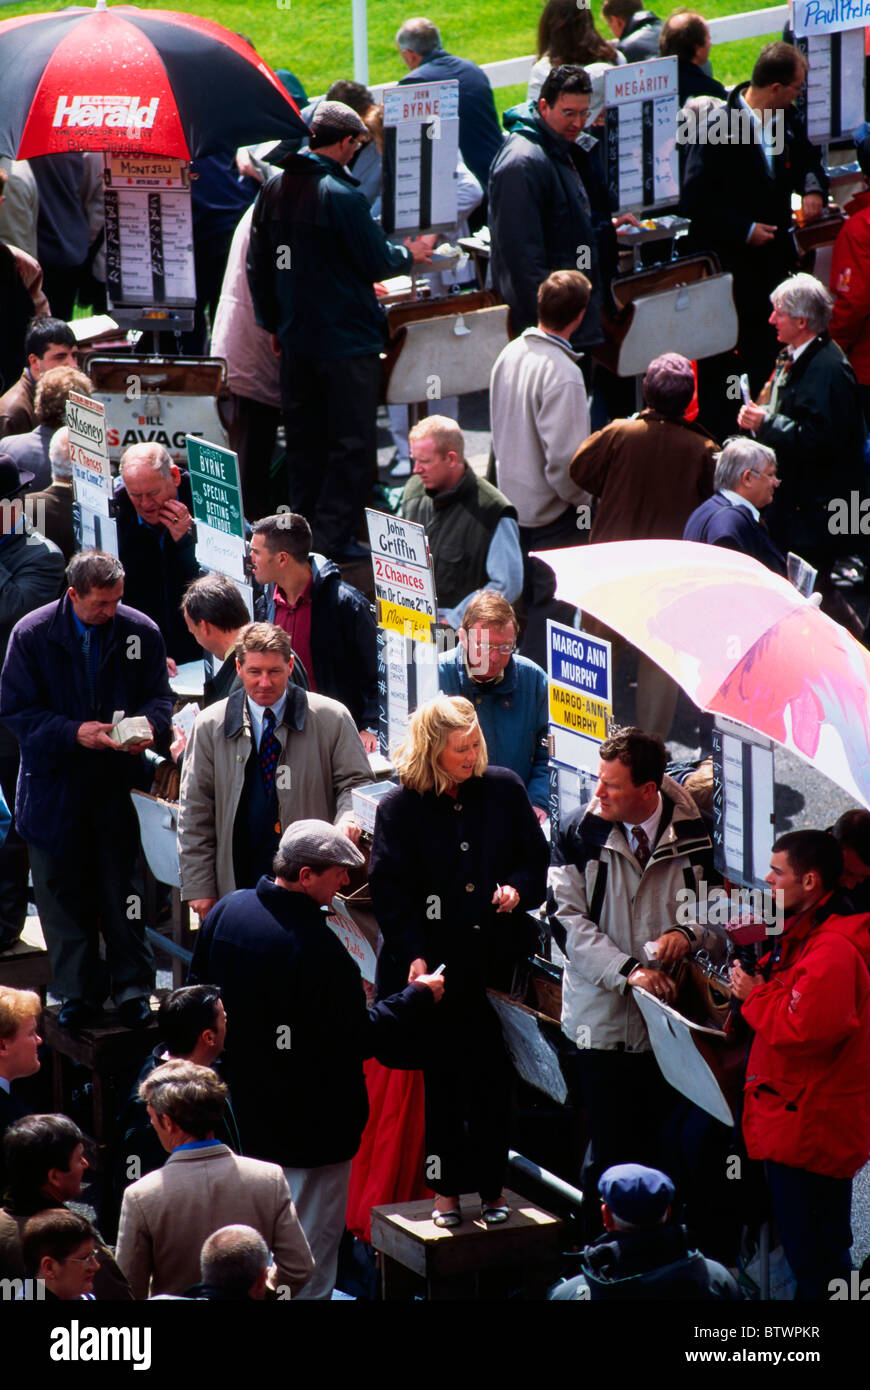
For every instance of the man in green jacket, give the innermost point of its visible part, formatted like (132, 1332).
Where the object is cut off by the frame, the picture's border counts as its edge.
(314, 257)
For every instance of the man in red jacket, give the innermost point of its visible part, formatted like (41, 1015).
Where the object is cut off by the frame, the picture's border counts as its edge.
(850, 278)
(807, 1103)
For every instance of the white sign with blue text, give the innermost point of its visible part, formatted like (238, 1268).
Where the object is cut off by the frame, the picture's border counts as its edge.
(580, 695)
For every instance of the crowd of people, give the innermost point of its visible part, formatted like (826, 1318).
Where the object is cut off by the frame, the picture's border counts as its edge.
(228, 1172)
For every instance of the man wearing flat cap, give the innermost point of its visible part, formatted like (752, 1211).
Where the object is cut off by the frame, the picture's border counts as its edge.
(315, 255)
(643, 1254)
(301, 1030)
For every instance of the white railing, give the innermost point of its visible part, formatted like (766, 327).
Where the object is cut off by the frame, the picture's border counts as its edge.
(511, 71)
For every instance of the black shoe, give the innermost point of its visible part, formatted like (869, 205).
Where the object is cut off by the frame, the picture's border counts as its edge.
(135, 1013)
(76, 1014)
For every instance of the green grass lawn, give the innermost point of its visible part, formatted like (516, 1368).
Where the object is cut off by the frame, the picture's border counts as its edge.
(313, 37)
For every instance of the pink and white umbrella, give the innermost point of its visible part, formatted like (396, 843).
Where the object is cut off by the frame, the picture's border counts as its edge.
(739, 639)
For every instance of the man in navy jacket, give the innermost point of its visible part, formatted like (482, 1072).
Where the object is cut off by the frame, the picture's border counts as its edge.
(480, 137)
(70, 665)
(745, 481)
(300, 1027)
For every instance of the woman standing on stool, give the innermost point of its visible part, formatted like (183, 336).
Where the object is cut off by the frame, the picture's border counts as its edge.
(457, 856)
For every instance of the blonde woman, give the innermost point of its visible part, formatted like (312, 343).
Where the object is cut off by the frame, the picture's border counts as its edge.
(458, 858)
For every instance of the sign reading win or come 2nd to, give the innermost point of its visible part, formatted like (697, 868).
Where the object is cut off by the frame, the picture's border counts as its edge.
(404, 586)
(89, 453)
(406, 612)
(581, 695)
(217, 506)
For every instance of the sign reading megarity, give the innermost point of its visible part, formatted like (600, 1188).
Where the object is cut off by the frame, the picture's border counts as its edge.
(217, 506)
(89, 453)
(581, 695)
(640, 134)
(406, 615)
(421, 147)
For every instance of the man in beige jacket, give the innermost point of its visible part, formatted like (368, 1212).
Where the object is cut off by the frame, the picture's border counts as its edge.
(268, 755)
(167, 1215)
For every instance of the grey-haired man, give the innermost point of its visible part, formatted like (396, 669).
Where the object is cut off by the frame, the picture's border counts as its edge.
(301, 1029)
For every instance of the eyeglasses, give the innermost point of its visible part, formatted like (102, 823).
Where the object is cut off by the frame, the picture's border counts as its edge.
(504, 648)
(757, 473)
(92, 1259)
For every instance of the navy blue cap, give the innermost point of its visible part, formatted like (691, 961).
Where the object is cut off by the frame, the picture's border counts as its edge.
(635, 1194)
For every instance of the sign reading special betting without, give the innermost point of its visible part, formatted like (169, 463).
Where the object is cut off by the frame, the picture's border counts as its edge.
(640, 134)
(581, 695)
(217, 507)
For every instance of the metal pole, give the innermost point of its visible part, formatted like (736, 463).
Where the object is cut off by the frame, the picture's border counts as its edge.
(517, 1163)
(360, 43)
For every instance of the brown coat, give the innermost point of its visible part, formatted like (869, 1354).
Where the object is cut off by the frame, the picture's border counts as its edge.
(167, 1215)
(51, 513)
(16, 406)
(649, 474)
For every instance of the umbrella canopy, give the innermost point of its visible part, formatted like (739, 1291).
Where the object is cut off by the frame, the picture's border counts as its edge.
(739, 639)
(131, 81)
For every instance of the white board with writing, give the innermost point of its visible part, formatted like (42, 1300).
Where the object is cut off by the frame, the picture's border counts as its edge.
(828, 16)
(640, 134)
(89, 453)
(833, 103)
(421, 149)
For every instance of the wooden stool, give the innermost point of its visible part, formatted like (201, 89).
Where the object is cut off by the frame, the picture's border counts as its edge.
(106, 1050)
(25, 966)
(471, 1260)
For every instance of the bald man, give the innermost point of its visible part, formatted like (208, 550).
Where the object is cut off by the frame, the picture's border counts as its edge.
(156, 542)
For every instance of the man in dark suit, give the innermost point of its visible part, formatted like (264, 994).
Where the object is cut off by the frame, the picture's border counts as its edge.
(70, 665)
(685, 36)
(300, 1027)
(743, 166)
(480, 136)
(814, 422)
(745, 481)
(156, 542)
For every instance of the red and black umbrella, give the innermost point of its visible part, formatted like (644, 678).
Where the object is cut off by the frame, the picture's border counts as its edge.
(131, 81)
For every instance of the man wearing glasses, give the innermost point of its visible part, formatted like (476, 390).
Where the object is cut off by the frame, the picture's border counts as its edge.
(745, 481)
(509, 692)
(542, 216)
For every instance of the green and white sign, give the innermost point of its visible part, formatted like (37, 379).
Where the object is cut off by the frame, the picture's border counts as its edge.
(217, 507)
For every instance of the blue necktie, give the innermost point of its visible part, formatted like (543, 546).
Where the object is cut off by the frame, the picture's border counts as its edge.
(90, 651)
(269, 750)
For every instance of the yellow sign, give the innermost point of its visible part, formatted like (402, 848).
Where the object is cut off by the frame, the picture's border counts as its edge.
(406, 621)
(579, 713)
